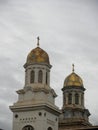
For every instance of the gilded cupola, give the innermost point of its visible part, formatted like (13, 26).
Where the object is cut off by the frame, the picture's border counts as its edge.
(73, 80)
(38, 55)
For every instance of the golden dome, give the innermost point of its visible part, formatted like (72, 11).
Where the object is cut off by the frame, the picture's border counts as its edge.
(73, 80)
(38, 55)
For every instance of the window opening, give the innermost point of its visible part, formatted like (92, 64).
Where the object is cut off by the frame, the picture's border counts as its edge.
(49, 128)
(40, 76)
(69, 98)
(28, 127)
(46, 78)
(32, 77)
(76, 98)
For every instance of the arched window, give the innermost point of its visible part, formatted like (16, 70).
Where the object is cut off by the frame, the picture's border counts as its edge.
(40, 76)
(64, 98)
(46, 78)
(49, 128)
(82, 99)
(32, 76)
(28, 127)
(69, 98)
(76, 98)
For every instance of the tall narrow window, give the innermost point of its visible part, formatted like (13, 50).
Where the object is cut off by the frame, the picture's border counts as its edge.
(46, 78)
(32, 76)
(76, 98)
(69, 98)
(64, 98)
(40, 76)
(82, 99)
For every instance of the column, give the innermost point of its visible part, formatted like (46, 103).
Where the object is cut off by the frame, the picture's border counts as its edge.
(44, 77)
(80, 99)
(67, 98)
(73, 97)
(25, 77)
(28, 76)
(36, 75)
(48, 78)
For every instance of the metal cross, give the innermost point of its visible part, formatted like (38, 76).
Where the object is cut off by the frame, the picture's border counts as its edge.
(73, 68)
(38, 41)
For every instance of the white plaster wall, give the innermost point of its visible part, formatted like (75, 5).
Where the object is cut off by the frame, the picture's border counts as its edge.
(36, 96)
(30, 96)
(34, 119)
(51, 98)
(36, 68)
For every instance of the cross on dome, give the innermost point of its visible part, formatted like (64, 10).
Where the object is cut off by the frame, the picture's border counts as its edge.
(73, 68)
(38, 41)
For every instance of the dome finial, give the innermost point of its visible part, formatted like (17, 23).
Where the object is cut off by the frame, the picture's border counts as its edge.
(38, 41)
(73, 68)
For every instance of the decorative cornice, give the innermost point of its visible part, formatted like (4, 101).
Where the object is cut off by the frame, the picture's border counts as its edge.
(73, 87)
(47, 107)
(26, 64)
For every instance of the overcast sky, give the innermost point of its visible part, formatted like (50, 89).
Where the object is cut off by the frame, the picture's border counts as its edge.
(68, 31)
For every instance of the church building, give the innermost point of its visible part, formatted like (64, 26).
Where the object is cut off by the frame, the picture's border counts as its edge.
(36, 109)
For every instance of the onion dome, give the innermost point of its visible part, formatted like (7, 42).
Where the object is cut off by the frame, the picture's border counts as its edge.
(38, 55)
(73, 80)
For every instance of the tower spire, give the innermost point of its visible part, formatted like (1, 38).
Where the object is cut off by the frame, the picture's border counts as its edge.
(38, 41)
(73, 68)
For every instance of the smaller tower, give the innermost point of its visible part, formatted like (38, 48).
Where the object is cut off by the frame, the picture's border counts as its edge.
(74, 113)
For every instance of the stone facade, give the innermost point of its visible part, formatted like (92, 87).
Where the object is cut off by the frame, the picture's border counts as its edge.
(36, 109)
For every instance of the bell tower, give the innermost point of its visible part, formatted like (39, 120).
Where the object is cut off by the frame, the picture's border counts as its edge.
(35, 108)
(74, 113)
(37, 67)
